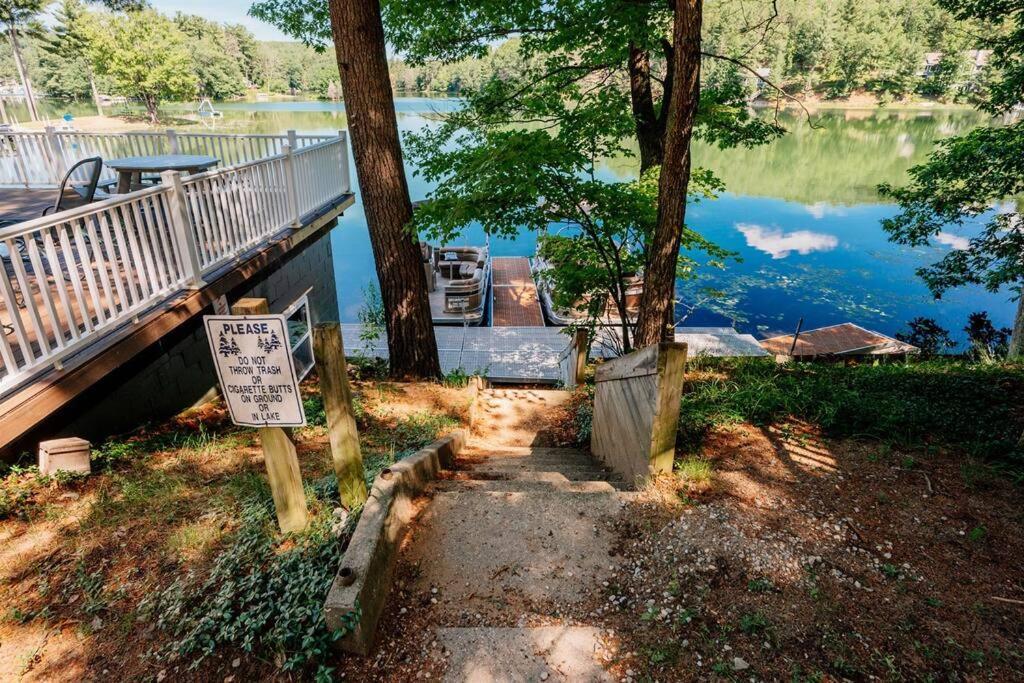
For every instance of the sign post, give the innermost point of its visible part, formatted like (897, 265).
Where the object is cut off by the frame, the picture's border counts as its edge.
(329, 350)
(257, 376)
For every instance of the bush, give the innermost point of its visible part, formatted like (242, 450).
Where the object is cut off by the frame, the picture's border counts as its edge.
(972, 406)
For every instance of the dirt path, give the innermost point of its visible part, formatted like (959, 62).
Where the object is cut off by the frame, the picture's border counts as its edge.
(806, 560)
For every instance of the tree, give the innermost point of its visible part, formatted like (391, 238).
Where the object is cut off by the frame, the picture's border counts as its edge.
(987, 342)
(16, 16)
(358, 37)
(64, 61)
(369, 104)
(927, 335)
(146, 56)
(590, 87)
(967, 175)
(218, 68)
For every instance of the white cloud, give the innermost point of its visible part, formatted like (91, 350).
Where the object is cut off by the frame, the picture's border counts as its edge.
(821, 209)
(780, 244)
(952, 241)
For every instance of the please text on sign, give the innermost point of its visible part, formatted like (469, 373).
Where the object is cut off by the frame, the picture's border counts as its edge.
(255, 368)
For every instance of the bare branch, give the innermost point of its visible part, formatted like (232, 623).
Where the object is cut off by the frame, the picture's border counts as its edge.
(781, 93)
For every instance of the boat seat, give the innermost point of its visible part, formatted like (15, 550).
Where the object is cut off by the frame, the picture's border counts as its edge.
(466, 270)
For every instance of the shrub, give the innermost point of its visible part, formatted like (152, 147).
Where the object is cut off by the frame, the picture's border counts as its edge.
(262, 593)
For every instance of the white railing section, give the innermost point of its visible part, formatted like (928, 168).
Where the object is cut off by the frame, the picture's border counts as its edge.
(68, 278)
(40, 159)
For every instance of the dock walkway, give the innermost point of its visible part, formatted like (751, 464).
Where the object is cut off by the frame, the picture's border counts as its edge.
(515, 301)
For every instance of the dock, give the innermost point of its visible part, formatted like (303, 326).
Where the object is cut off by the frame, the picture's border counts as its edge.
(515, 301)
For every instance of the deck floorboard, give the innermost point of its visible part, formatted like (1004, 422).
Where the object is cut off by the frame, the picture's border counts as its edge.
(515, 301)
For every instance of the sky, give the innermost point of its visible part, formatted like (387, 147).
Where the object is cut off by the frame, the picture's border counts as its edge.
(223, 11)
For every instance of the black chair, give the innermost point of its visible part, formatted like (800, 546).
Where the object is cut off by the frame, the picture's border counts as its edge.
(91, 169)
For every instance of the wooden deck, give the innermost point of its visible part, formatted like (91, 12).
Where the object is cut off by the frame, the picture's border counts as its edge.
(515, 302)
(20, 204)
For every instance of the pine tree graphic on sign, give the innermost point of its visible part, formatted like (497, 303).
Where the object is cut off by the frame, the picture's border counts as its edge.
(270, 344)
(227, 347)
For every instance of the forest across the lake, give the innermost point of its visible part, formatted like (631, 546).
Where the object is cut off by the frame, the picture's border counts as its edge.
(813, 49)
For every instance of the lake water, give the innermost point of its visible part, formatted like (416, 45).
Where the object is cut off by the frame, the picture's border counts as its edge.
(801, 213)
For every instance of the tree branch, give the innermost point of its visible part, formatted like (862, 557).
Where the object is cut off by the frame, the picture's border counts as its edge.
(778, 89)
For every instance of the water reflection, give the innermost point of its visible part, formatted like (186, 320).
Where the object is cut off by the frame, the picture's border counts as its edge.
(826, 172)
(779, 244)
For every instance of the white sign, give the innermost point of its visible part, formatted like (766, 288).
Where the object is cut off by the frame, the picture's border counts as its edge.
(255, 368)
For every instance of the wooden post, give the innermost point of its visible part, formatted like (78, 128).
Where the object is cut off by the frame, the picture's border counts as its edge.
(329, 350)
(279, 454)
(172, 141)
(581, 340)
(636, 410)
(182, 226)
(291, 188)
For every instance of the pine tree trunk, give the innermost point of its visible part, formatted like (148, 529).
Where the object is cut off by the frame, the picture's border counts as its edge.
(369, 105)
(663, 254)
(23, 74)
(1016, 350)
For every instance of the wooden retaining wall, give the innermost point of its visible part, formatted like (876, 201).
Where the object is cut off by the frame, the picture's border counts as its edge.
(636, 410)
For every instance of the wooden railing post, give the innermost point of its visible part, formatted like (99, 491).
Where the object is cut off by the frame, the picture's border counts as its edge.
(636, 410)
(291, 187)
(173, 144)
(188, 242)
(329, 351)
(57, 166)
(279, 454)
(346, 182)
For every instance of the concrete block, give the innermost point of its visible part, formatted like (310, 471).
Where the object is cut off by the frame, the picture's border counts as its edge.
(70, 454)
(360, 589)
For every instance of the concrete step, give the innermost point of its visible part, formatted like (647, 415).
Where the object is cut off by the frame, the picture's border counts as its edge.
(498, 553)
(521, 655)
(528, 485)
(552, 474)
(568, 459)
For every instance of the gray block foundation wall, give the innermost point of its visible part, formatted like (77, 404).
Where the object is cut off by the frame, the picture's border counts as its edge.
(178, 372)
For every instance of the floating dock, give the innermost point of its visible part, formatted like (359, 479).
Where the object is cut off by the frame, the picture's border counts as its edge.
(515, 301)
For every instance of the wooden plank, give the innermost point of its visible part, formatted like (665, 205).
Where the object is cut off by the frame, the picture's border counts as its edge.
(636, 364)
(329, 350)
(31, 404)
(636, 411)
(279, 454)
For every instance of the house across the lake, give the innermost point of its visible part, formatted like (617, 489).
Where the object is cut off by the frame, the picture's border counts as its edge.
(111, 255)
(845, 340)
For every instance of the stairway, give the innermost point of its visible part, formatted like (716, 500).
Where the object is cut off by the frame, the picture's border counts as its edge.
(513, 548)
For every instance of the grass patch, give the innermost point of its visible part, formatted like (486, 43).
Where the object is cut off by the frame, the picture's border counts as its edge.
(975, 407)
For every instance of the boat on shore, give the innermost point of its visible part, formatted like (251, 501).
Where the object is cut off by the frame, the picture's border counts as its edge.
(458, 279)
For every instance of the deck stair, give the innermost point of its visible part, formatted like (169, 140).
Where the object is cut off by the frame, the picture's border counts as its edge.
(512, 544)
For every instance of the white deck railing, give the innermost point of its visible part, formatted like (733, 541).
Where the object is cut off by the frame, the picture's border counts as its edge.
(69, 278)
(41, 158)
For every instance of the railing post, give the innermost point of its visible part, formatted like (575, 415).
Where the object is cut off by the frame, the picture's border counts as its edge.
(57, 165)
(188, 244)
(580, 340)
(346, 183)
(172, 141)
(291, 188)
(293, 140)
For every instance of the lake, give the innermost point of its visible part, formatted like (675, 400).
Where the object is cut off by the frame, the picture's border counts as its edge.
(802, 214)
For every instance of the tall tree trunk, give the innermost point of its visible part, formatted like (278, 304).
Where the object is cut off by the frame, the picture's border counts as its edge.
(26, 84)
(369, 104)
(95, 93)
(1016, 350)
(649, 130)
(663, 254)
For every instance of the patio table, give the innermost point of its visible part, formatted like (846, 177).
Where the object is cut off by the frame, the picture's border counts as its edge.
(130, 169)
